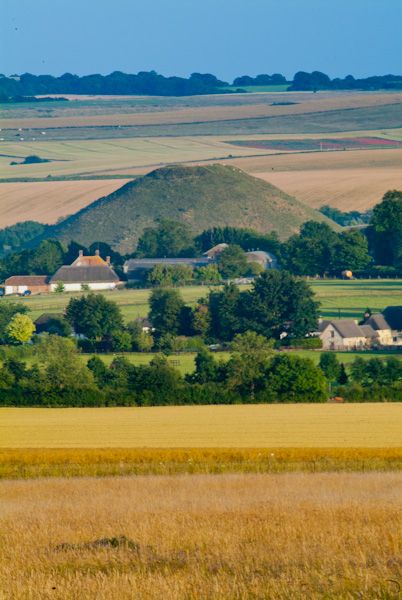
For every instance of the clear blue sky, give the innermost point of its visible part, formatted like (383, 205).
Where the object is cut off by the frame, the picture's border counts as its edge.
(177, 37)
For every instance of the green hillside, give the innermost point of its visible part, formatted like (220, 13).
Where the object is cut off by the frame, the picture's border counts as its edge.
(203, 197)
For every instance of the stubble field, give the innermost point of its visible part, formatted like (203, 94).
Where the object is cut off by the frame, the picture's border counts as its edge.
(273, 537)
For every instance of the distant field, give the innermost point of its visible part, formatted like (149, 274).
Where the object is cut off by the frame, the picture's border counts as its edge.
(86, 158)
(221, 426)
(106, 114)
(337, 298)
(351, 180)
(47, 202)
(226, 114)
(321, 144)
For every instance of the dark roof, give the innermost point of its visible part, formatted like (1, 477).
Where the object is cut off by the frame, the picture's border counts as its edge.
(94, 274)
(377, 322)
(144, 322)
(393, 316)
(148, 263)
(28, 280)
(44, 318)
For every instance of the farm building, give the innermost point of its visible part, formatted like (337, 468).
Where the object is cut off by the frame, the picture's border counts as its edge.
(91, 271)
(342, 334)
(137, 269)
(346, 334)
(20, 284)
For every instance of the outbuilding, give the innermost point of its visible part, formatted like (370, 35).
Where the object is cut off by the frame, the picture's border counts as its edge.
(22, 284)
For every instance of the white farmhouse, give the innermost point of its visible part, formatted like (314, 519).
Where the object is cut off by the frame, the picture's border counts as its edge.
(89, 271)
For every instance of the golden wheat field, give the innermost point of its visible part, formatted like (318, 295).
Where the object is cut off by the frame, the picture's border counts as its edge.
(352, 180)
(228, 537)
(369, 425)
(47, 202)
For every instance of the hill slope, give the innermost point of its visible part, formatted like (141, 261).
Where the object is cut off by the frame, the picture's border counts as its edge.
(202, 196)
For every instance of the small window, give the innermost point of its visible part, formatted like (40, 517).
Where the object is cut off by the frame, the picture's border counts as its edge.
(332, 333)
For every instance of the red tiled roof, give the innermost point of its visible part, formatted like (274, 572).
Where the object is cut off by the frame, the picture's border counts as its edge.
(29, 280)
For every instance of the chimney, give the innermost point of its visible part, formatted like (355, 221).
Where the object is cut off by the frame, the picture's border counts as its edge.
(96, 252)
(80, 253)
(108, 260)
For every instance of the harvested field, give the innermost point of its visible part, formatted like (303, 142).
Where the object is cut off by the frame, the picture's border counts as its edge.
(47, 202)
(369, 425)
(274, 537)
(358, 189)
(352, 180)
(95, 157)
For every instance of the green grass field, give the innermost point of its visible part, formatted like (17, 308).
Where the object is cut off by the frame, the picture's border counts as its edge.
(345, 299)
(184, 362)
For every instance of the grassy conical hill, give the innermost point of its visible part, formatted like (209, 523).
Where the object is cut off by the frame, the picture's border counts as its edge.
(202, 196)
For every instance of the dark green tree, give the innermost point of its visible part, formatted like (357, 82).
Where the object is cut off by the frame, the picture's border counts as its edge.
(312, 251)
(295, 379)
(351, 252)
(223, 308)
(386, 229)
(94, 316)
(165, 311)
(330, 366)
(277, 303)
(168, 239)
(233, 262)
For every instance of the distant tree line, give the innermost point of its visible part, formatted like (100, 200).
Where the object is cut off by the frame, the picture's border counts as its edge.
(152, 83)
(317, 80)
(144, 82)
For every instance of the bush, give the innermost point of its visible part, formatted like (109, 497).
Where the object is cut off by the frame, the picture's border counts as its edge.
(309, 343)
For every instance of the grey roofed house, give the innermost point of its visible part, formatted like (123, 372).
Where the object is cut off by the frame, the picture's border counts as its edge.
(368, 331)
(347, 328)
(89, 274)
(377, 322)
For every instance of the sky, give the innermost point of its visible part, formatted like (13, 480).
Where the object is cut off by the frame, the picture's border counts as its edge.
(224, 37)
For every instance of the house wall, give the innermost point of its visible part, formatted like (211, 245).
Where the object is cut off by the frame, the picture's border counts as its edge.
(385, 337)
(77, 287)
(20, 289)
(332, 340)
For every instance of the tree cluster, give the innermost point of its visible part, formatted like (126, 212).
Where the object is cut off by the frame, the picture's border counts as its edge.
(317, 80)
(57, 376)
(277, 305)
(319, 250)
